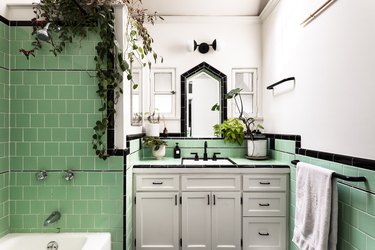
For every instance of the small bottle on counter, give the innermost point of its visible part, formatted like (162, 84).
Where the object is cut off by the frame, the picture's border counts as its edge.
(177, 151)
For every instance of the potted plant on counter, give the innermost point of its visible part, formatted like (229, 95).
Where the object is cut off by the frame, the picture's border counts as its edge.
(157, 144)
(152, 128)
(256, 142)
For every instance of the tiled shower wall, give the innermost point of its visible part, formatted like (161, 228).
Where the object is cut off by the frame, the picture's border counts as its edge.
(356, 207)
(4, 128)
(53, 108)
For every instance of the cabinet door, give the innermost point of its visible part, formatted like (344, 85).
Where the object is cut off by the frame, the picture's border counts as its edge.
(196, 220)
(157, 218)
(226, 220)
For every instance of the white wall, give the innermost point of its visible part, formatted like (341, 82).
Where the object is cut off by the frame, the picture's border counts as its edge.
(333, 60)
(242, 36)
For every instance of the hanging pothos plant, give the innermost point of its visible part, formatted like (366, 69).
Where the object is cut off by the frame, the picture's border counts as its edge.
(76, 18)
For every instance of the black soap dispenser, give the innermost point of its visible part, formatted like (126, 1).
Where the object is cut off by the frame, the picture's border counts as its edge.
(177, 152)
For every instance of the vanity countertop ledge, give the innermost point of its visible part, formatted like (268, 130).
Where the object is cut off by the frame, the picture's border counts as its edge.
(169, 165)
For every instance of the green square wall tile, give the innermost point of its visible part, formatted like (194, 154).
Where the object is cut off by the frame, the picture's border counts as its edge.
(66, 120)
(371, 204)
(366, 223)
(44, 134)
(65, 92)
(370, 243)
(45, 78)
(51, 62)
(44, 106)
(51, 92)
(65, 62)
(58, 78)
(37, 62)
(358, 239)
(73, 78)
(358, 199)
(73, 106)
(59, 134)
(51, 121)
(30, 106)
(66, 149)
(30, 78)
(37, 120)
(58, 106)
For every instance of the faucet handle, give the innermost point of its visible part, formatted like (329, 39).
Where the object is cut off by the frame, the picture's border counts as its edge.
(42, 175)
(196, 158)
(68, 175)
(214, 158)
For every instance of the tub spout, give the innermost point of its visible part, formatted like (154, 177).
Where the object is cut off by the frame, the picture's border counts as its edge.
(55, 216)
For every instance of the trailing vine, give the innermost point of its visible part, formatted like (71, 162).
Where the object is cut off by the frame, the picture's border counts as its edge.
(68, 19)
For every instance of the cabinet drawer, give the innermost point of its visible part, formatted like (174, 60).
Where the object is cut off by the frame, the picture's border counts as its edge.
(157, 182)
(264, 233)
(264, 204)
(258, 182)
(210, 182)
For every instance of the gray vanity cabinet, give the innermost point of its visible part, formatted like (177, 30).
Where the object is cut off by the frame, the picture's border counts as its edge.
(183, 210)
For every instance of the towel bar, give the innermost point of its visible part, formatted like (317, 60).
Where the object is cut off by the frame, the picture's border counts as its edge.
(280, 82)
(340, 176)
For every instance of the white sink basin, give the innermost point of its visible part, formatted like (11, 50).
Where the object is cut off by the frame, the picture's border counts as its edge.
(208, 162)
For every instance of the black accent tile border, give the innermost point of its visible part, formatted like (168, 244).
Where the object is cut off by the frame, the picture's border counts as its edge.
(211, 166)
(4, 20)
(368, 164)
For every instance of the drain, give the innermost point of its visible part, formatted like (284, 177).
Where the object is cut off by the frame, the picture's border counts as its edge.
(52, 245)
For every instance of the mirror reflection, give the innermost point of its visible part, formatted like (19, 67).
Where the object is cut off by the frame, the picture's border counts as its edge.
(136, 97)
(201, 87)
(202, 91)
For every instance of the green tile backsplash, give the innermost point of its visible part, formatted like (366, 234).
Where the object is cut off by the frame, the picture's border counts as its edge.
(46, 118)
(356, 207)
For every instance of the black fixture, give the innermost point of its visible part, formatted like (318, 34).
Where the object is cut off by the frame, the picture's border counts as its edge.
(205, 158)
(280, 82)
(204, 47)
(214, 157)
(342, 177)
(196, 158)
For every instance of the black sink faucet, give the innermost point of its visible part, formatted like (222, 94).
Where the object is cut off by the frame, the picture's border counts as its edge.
(205, 158)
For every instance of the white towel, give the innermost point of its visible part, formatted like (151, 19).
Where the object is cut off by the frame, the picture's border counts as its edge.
(316, 208)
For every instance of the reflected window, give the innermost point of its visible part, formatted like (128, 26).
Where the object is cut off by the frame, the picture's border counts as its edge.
(246, 79)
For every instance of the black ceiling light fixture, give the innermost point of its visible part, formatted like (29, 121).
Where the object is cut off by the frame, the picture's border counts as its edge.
(202, 47)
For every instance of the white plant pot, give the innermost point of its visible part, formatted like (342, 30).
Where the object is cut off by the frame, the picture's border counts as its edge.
(160, 153)
(152, 129)
(257, 148)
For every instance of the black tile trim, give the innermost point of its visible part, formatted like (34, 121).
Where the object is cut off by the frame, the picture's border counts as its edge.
(60, 70)
(1, 67)
(4, 172)
(74, 170)
(20, 23)
(368, 164)
(134, 136)
(4, 20)
(211, 166)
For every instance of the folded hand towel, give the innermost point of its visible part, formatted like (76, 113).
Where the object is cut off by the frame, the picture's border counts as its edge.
(316, 208)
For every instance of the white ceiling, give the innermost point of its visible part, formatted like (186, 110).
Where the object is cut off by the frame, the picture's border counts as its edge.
(205, 7)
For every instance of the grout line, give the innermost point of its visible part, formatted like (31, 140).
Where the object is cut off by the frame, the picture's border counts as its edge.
(74, 170)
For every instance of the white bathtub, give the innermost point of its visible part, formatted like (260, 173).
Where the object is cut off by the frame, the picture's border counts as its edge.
(65, 241)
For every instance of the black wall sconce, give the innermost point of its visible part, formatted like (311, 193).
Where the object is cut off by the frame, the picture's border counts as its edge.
(203, 47)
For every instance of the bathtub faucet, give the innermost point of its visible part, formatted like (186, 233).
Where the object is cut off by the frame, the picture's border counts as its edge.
(55, 216)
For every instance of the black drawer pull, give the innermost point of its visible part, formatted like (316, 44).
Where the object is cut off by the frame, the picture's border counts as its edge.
(264, 183)
(208, 199)
(263, 234)
(264, 204)
(157, 182)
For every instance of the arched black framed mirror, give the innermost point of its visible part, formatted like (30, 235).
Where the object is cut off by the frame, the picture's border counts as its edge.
(208, 76)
